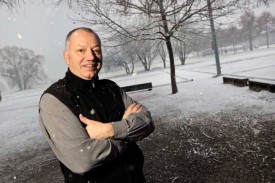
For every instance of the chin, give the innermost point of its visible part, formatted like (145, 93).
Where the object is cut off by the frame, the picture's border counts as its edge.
(91, 75)
(88, 75)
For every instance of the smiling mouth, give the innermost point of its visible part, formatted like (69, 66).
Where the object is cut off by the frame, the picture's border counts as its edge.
(90, 66)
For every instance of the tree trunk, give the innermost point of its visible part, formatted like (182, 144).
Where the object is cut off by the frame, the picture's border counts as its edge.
(250, 38)
(133, 67)
(145, 64)
(164, 63)
(234, 50)
(170, 50)
(266, 35)
(172, 65)
(184, 54)
(213, 32)
(162, 55)
(18, 80)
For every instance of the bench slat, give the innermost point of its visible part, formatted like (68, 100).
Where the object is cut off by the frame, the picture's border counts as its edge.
(142, 86)
(237, 81)
(259, 85)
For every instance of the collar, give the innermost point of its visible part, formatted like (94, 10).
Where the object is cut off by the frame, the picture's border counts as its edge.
(80, 83)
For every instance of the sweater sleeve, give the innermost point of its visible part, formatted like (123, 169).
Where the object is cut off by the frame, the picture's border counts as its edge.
(70, 141)
(137, 125)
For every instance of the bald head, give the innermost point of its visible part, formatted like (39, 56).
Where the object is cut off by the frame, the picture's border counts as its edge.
(83, 53)
(74, 32)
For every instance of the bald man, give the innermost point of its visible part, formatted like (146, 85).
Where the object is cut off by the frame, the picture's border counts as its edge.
(90, 124)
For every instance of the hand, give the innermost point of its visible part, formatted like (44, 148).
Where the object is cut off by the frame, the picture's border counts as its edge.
(96, 129)
(133, 108)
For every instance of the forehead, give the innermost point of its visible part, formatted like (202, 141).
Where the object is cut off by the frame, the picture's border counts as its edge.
(84, 37)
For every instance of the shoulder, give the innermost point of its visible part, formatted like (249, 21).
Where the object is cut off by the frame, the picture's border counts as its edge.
(57, 86)
(51, 105)
(48, 100)
(59, 90)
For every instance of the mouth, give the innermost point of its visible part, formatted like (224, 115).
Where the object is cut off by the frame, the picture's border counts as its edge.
(90, 66)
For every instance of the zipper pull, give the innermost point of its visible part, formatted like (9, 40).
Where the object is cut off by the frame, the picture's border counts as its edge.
(93, 84)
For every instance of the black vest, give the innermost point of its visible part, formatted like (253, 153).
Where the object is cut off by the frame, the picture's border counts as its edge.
(98, 100)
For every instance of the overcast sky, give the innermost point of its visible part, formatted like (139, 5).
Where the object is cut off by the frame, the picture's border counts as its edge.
(42, 28)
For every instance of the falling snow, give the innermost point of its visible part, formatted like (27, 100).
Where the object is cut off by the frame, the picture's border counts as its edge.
(19, 36)
(22, 142)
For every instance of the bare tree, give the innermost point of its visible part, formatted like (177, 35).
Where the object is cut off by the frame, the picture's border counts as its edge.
(162, 53)
(200, 42)
(183, 42)
(233, 35)
(264, 23)
(122, 58)
(182, 50)
(21, 66)
(126, 17)
(125, 54)
(227, 38)
(147, 52)
(120, 61)
(11, 3)
(248, 24)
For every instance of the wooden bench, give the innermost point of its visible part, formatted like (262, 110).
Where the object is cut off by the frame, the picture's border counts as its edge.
(143, 86)
(235, 80)
(260, 84)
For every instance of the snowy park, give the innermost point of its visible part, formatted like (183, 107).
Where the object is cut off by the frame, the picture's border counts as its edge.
(207, 132)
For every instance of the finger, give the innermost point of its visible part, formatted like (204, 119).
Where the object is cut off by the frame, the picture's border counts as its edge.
(130, 108)
(83, 119)
(140, 109)
(136, 108)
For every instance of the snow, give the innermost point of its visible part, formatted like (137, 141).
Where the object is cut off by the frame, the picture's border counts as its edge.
(19, 36)
(199, 91)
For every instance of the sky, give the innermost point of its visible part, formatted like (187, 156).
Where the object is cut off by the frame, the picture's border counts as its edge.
(39, 27)
(42, 28)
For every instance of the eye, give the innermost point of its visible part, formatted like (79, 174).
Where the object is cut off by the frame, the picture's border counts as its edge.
(81, 50)
(97, 51)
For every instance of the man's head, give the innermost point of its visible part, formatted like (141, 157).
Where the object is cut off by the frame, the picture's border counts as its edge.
(83, 53)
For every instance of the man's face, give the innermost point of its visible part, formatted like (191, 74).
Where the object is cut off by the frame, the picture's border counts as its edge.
(83, 54)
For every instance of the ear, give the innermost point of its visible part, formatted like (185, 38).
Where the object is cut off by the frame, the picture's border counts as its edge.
(66, 57)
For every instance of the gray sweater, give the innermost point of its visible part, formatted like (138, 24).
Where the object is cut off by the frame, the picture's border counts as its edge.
(71, 143)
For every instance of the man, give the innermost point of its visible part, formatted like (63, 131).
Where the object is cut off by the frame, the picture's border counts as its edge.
(91, 125)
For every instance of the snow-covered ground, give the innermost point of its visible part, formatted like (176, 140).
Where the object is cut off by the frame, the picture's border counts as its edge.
(199, 91)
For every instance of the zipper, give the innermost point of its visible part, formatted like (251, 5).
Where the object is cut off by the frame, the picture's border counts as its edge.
(94, 97)
(128, 173)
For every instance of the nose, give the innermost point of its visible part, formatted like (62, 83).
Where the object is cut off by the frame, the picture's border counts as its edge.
(90, 55)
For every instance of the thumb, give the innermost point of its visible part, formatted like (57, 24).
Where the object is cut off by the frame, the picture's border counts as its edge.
(83, 119)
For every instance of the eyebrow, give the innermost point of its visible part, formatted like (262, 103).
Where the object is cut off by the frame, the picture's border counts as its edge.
(79, 45)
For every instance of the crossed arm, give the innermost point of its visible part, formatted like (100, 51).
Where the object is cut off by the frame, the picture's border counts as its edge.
(82, 149)
(99, 130)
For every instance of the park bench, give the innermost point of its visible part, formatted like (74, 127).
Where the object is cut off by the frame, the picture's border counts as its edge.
(235, 80)
(143, 86)
(260, 84)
